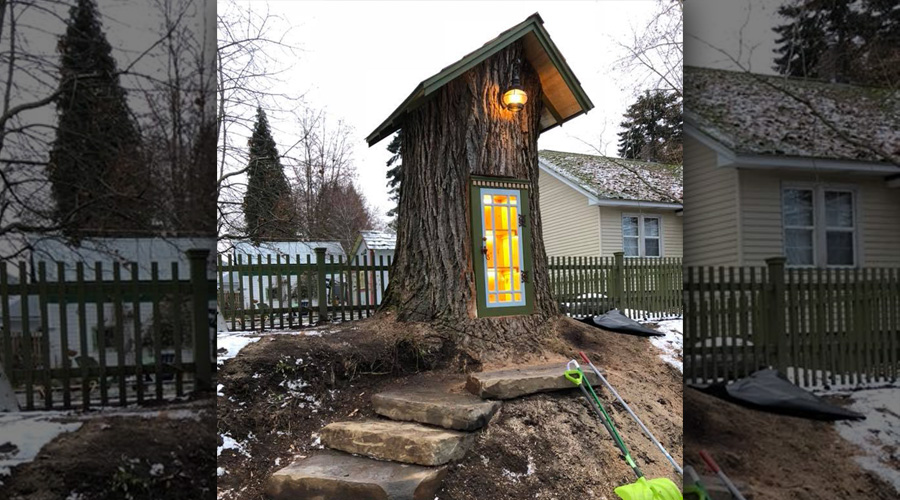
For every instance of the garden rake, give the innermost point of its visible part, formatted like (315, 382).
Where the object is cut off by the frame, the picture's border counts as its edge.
(642, 489)
(635, 417)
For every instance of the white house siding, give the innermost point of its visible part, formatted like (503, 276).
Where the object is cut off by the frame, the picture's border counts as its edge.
(611, 227)
(878, 213)
(570, 226)
(374, 280)
(710, 208)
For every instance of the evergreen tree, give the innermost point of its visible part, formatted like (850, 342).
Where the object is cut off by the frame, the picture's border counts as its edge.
(850, 41)
(268, 207)
(394, 175)
(99, 181)
(652, 129)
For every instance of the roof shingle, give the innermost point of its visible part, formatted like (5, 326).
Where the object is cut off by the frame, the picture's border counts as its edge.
(766, 115)
(618, 179)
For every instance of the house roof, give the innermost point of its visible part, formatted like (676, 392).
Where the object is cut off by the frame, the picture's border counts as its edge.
(607, 178)
(564, 98)
(768, 115)
(379, 240)
(290, 249)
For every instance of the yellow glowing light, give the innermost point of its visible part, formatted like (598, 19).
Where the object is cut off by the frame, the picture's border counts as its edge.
(514, 99)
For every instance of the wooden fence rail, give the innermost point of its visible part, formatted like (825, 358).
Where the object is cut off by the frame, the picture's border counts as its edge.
(110, 336)
(258, 292)
(818, 326)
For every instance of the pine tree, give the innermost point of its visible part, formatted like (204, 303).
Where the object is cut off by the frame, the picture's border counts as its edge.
(652, 129)
(268, 207)
(850, 41)
(394, 175)
(99, 182)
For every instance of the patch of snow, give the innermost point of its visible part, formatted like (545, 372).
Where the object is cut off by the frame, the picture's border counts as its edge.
(228, 443)
(219, 390)
(231, 343)
(28, 432)
(220, 471)
(317, 441)
(672, 344)
(879, 434)
(278, 461)
(157, 470)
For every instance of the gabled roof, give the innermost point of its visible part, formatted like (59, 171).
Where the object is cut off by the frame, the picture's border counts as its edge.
(564, 97)
(289, 249)
(377, 240)
(765, 115)
(614, 179)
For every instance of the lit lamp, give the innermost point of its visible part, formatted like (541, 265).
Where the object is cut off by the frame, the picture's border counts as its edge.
(515, 98)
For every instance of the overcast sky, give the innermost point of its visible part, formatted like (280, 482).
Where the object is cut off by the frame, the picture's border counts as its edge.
(359, 60)
(740, 28)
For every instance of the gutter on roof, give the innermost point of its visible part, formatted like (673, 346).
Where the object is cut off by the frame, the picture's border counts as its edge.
(726, 157)
(609, 202)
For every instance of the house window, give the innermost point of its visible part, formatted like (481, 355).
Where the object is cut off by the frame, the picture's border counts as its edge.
(641, 235)
(501, 247)
(819, 226)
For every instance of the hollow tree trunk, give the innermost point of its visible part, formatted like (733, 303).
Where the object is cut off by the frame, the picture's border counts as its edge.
(465, 131)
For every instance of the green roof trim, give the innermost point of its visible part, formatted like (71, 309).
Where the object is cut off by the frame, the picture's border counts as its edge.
(533, 24)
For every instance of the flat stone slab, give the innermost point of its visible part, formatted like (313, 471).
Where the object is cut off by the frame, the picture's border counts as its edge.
(397, 441)
(463, 412)
(333, 475)
(516, 382)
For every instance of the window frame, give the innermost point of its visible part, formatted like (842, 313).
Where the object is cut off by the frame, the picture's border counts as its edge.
(477, 187)
(642, 248)
(820, 226)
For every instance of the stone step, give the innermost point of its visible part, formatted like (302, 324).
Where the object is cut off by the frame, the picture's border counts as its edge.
(463, 412)
(334, 475)
(522, 381)
(397, 441)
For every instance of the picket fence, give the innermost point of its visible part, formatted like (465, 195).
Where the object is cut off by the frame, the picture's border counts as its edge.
(258, 292)
(105, 338)
(820, 327)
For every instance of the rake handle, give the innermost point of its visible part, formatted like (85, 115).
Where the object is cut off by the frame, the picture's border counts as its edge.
(713, 466)
(584, 358)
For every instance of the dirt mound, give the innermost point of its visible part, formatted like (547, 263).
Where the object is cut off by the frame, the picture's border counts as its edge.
(777, 456)
(142, 456)
(280, 391)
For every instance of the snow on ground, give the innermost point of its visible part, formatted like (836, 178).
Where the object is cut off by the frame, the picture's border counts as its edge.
(229, 344)
(672, 345)
(22, 435)
(879, 434)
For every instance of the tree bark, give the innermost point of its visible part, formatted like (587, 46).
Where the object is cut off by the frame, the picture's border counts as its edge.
(464, 131)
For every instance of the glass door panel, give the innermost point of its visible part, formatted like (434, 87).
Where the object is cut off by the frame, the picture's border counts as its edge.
(502, 247)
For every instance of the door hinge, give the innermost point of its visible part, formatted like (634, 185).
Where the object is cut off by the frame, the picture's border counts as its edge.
(521, 220)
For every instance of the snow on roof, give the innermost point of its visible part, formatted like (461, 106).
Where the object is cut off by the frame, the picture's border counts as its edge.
(617, 179)
(291, 249)
(379, 240)
(766, 115)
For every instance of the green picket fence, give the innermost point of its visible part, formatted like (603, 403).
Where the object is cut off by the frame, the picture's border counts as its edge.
(644, 287)
(257, 292)
(817, 326)
(105, 334)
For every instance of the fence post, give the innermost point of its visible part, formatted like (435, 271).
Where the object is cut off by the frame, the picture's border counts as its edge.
(200, 300)
(323, 293)
(619, 277)
(778, 311)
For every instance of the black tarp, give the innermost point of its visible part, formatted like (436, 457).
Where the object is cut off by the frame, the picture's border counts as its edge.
(615, 321)
(770, 391)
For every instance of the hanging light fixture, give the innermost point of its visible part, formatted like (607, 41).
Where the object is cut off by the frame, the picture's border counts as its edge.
(515, 97)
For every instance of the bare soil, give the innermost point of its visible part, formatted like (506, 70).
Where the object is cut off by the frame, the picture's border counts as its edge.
(111, 458)
(546, 446)
(778, 457)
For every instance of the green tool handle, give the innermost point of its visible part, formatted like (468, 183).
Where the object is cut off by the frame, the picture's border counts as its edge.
(607, 422)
